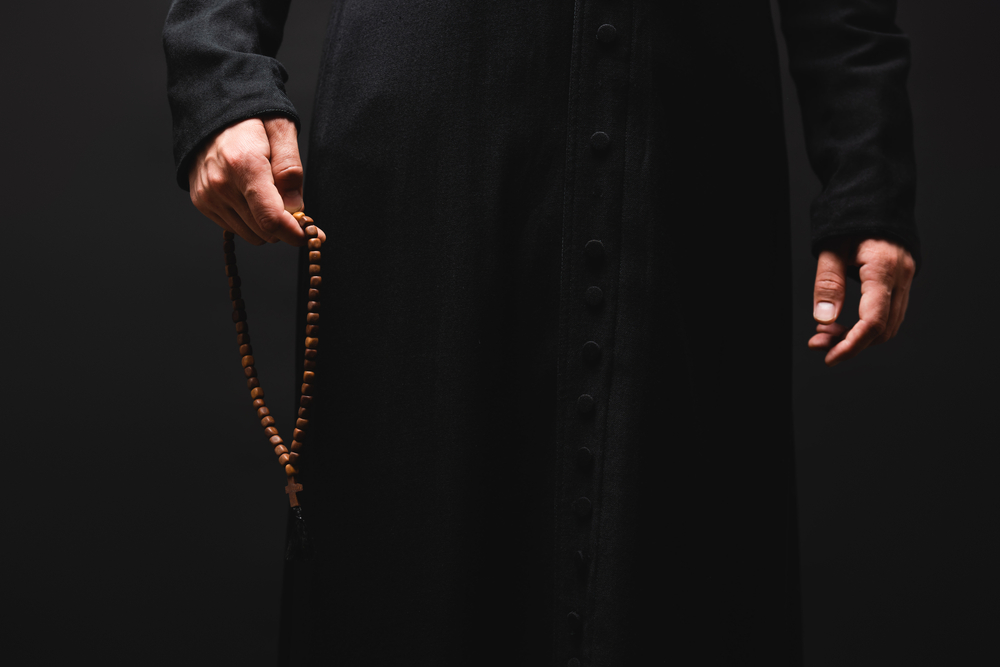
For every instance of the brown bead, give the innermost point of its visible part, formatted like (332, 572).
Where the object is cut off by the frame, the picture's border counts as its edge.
(313, 294)
(234, 281)
(290, 470)
(311, 354)
(315, 281)
(312, 318)
(276, 440)
(309, 364)
(298, 434)
(239, 305)
(228, 247)
(247, 360)
(239, 316)
(280, 449)
(235, 293)
(293, 457)
(245, 350)
(298, 215)
(242, 327)
(301, 423)
(230, 259)
(313, 306)
(306, 401)
(270, 430)
(283, 459)
(252, 383)
(267, 421)
(315, 244)
(296, 445)
(257, 392)
(262, 412)
(306, 389)
(314, 270)
(312, 330)
(306, 219)
(242, 339)
(231, 270)
(250, 372)
(258, 403)
(228, 235)
(308, 377)
(315, 257)
(303, 412)
(312, 343)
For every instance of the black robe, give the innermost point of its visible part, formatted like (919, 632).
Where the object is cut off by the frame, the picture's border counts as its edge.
(555, 403)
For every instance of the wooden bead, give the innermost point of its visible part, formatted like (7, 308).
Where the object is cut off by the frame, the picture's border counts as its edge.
(315, 281)
(247, 360)
(298, 434)
(312, 330)
(228, 247)
(262, 412)
(296, 445)
(283, 459)
(290, 470)
(280, 449)
(311, 354)
(315, 244)
(258, 403)
(245, 350)
(276, 440)
(293, 457)
(315, 257)
(243, 339)
(231, 270)
(242, 327)
(298, 215)
(252, 383)
(239, 305)
(303, 412)
(313, 294)
(308, 377)
(309, 364)
(312, 343)
(227, 235)
(235, 293)
(239, 316)
(301, 424)
(306, 389)
(306, 219)
(314, 270)
(250, 372)
(267, 421)
(234, 281)
(270, 431)
(313, 306)
(230, 259)
(312, 318)
(257, 392)
(305, 401)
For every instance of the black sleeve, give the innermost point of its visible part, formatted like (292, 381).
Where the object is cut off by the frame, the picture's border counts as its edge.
(849, 62)
(221, 68)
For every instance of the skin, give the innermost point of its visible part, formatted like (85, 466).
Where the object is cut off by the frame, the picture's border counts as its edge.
(248, 179)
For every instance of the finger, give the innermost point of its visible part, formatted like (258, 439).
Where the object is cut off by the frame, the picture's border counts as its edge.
(902, 312)
(876, 297)
(256, 184)
(895, 315)
(829, 288)
(240, 206)
(827, 335)
(286, 165)
(239, 227)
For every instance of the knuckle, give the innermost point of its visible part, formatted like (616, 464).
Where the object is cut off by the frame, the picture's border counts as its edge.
(829, 284)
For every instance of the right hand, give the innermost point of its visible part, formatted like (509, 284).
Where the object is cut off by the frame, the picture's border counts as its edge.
(248, 180)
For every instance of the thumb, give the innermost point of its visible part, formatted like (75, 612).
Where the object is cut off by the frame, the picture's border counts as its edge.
(830, 287)
(286, 166)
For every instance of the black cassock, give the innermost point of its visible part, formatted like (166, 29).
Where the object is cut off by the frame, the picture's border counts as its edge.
(554, 422)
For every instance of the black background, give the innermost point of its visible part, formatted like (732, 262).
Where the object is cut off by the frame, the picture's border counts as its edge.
(144, 513)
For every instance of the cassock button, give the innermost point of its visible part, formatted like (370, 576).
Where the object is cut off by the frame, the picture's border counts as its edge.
(591, 351)
(594, 250)
(582, 507)
(573, 619)
(606, 33)
(573, 662)
(580, 559)
(595, 297)
(585, 404)
(600, 141)
(584, 457)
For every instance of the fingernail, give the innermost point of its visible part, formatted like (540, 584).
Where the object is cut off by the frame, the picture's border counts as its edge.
(824, 311)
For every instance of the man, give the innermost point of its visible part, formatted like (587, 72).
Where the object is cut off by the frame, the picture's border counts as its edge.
(555, 411)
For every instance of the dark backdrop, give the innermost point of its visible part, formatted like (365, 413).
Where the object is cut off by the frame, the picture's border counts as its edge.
(144, 516)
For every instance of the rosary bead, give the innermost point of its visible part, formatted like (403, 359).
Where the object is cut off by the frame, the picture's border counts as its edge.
(235, 293)
(258, 403)
(309, 364)
(315, 281)
(241, 327)
(312, 343)
(313, 306)
(301, 423)
(267, 421)
(250, 372)
(314, 270)
(298, 215)
(257, 392)
(312, 318)
(293, 457)
(252, 383)
(280, 449)
(315, 257)
(306, 388)
(298, 434)
(308, 377)
(305, 401)
(239, 316)
(243, 339)
(231, 270)
(270, 431)
(303, 412)
(312, 330)
(315, 244)
(262, 412)
(290, 470)
(306, 219)
(230, 259)
(311, 231)
(227, 235)
(228, 247)
(283, 459)
(296, 445)
(276, 440)
(311, 354)
(234, 281)
(313, 294)
(239, 305)
(245, 350)
(247, 360)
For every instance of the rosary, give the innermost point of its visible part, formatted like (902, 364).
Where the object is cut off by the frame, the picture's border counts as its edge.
(287, 456)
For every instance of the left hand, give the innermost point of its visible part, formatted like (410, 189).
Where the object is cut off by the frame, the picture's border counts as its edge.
(886, 271)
